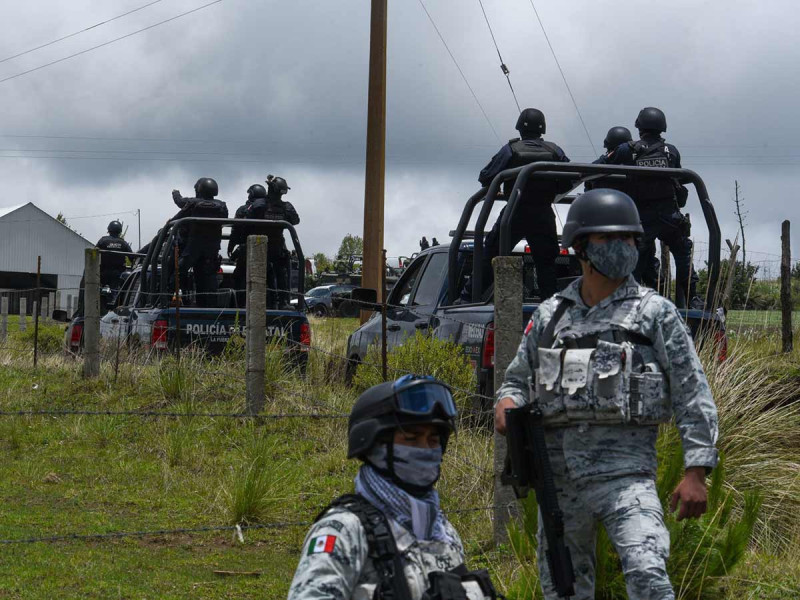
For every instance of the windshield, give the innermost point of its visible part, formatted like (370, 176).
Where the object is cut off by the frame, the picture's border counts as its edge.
(317, 292)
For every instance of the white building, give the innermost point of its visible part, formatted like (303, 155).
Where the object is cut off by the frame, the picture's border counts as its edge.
(27, 232)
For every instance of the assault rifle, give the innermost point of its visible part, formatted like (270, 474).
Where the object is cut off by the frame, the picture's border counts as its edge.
(528, 466)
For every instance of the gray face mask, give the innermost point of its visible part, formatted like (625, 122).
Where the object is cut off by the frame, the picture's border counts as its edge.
(615, 259)
(416, 466)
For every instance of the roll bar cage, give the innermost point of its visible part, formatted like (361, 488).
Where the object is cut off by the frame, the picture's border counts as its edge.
(166, 237)
(575, 174)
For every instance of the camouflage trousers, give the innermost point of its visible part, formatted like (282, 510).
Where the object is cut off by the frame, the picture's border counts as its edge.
(629, 509)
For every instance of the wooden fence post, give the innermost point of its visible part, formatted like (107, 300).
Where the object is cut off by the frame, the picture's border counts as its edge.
(23, 313)
(507, 335)
(3, 319)
(91, 320)
(256, 333)
(786, 288)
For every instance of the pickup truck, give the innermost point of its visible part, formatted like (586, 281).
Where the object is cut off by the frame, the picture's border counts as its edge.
(146, 317)
(426, 298)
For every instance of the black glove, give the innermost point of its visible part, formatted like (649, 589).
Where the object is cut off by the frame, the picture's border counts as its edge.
(176, 195)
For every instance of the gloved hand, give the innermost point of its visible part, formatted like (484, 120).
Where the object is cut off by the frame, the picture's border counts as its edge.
(176, 195)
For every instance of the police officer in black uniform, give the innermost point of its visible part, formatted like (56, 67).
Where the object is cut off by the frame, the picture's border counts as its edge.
(659, 201)
(237, 243)
(273, 208)
(534, 218)
(112, 262)
(199, 242)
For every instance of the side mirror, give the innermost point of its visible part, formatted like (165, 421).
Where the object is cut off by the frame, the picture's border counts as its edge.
(123, 311)
(367, 299)
(60, 316)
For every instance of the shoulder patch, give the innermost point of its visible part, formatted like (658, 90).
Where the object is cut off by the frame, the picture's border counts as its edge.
(528, 327)
(321, 544)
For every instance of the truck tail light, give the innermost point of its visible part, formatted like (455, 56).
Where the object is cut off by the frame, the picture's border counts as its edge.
(527, 249)
(564, 252)
(721, 341)
(75, 337)
(305, 337)
(487, 358)
(158, 335)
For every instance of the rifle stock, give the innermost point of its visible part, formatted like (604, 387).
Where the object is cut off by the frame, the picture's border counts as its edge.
(528, 466)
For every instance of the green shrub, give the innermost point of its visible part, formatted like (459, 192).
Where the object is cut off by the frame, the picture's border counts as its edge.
(422, 355)
(51, 338)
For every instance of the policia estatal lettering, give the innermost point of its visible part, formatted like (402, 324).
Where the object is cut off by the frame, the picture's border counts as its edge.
(390, 540)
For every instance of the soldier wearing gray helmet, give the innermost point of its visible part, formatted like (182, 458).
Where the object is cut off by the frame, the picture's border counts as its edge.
(391, 539)
(607, 360)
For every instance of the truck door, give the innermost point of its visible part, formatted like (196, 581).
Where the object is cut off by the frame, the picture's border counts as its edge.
(416, 314)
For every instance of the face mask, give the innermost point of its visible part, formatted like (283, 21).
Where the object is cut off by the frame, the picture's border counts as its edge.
(615, 259)
(419, 467)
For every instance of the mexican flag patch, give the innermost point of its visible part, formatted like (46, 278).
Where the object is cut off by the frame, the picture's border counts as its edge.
(322, 543)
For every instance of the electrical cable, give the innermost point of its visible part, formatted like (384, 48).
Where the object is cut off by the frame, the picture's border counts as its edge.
(455, 62)
(61, 39)
(127, 35)
(503, 66)
(564, 77)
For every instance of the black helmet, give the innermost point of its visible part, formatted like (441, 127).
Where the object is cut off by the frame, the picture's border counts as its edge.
(256, 191)
(412, 399)
(206, 188)
(531, 120)
(115, 228)
(599, 211)
(278, 185)
(651, 118)
(616, 136)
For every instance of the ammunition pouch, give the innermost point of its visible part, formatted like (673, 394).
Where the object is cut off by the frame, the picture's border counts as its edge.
(461, 584)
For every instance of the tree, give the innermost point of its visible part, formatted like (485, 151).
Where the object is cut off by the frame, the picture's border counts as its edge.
(61, 219)
(351, 244)
(322, 262)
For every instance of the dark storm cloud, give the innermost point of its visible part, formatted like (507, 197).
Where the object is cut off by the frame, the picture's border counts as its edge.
(281, 87)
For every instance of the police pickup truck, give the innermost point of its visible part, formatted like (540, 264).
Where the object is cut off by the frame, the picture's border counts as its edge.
(427, 296)
(144, 312)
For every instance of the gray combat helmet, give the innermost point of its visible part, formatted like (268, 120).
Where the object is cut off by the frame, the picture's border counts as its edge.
(256, 191)
(115, 228)
(600, 211)
(379, 411)
(616, 136)
(206, 188)
(651, 119)
(531, 120)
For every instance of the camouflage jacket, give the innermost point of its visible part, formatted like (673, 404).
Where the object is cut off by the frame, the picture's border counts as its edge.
(602, 450)
(341, 570)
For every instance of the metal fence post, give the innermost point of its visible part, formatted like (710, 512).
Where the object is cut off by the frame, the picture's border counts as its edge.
(91, 322)
(3, 319)
(507, 335)
(786, 288)
(23, 314)
(256, 321)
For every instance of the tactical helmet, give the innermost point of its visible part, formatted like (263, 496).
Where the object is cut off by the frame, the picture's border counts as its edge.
(600, 211)
(256, 191)
(411, 399)
(651, 118)
(278, 185)
(531, 120)
(616, 136)
(115, 228)
(206, 188)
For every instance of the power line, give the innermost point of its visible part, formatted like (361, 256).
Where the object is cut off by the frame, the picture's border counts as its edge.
(61, 39)
(560, 70)
(455, 62)
(503, 66)
(183, 14)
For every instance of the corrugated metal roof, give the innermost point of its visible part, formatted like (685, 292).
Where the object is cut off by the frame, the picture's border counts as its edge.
(10, 209)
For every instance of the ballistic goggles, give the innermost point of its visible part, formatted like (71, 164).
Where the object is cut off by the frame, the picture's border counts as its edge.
(416, 395)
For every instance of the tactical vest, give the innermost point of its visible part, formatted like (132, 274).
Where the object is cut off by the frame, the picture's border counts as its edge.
(109, 261)
(653, 155)
(457, 584)
(525, 152)
(270, 210)
(210, 209)
(603, 373)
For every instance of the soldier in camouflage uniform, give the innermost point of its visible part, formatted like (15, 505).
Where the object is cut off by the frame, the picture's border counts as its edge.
(400, 431)
(621, 362)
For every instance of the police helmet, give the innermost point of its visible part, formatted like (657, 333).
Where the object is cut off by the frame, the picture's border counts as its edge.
(600, 211)
(256, 191)
(278, 185)
(652, 119)
(115, 228)
(531, 120)
(410, 400)
(616, 136)
(206, 188)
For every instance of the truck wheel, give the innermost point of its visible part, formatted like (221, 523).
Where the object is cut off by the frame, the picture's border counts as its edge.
(348, 309)
(320, 310)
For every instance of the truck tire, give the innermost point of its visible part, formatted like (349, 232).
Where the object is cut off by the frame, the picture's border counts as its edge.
(319, 310)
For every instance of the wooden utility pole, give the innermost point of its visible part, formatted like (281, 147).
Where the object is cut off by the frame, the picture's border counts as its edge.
(786, 288)
(371, 276)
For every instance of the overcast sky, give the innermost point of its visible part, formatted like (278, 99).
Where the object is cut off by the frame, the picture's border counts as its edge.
(242, 89)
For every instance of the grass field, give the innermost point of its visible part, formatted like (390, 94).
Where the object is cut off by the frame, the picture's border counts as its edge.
(98, 474)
